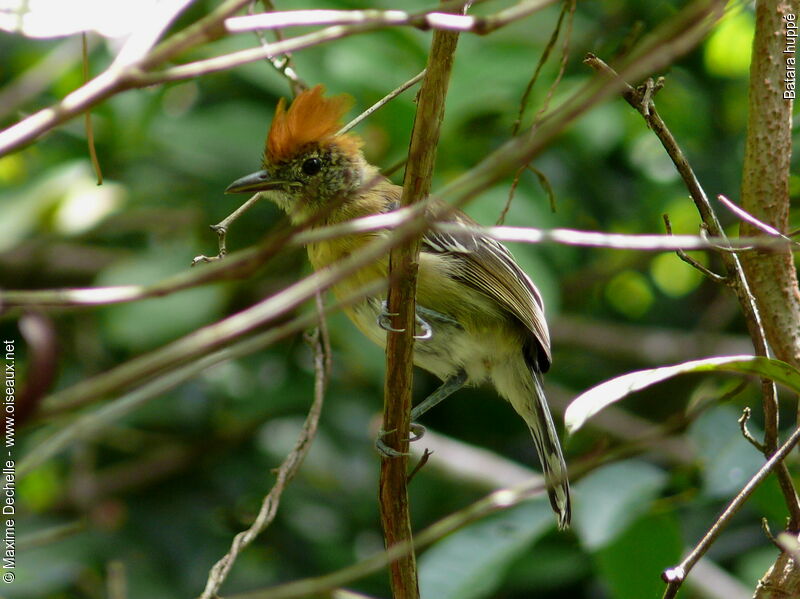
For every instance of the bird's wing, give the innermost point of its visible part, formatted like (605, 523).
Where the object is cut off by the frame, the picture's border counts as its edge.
(487, 266)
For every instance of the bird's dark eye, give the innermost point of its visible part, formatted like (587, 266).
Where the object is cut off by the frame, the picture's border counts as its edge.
(312, 166)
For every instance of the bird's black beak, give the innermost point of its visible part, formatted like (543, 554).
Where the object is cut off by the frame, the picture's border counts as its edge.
(259, 181)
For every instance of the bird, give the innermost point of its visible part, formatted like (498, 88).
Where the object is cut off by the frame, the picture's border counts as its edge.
(479, 316)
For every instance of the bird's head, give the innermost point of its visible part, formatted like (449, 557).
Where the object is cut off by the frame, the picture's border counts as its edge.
(306, 164)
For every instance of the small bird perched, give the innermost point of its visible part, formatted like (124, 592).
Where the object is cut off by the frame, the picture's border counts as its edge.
(480, 315)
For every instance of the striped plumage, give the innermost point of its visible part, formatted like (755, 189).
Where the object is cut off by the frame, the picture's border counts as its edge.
(485, 314)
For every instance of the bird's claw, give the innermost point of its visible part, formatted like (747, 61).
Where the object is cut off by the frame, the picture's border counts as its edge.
(417, 432)
(427, 331)
(384, 321)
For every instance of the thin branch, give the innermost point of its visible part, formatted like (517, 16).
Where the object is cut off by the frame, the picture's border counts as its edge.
(749, 218)
(221, 229)
(88, 114)
(382, 102)
(374, 19)
(675, 576)
(245, 262)
(691, 261)
(52, 534)
(551, 43)
(286, 472)
(743, 420)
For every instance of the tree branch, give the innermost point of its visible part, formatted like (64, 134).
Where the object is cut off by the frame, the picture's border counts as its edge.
(765, 181)
(403, 263)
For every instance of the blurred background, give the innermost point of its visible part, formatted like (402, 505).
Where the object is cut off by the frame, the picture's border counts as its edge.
(156, 498)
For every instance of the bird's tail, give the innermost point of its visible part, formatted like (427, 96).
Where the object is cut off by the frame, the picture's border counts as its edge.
(522, 386)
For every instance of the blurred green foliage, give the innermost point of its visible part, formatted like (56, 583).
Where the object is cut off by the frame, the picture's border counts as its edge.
(164, 491)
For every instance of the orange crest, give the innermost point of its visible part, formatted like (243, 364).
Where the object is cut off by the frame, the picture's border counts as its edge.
(310, 118)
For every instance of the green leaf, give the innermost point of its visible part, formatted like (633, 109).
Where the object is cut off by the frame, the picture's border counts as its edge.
(609, 499)
(472, 562)
(595, 399)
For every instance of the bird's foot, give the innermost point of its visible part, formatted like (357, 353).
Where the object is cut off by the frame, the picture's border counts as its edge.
(417, 432)
(385, 322)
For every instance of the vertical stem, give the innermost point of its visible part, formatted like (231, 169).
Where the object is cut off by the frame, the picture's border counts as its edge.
(765, 194)
(765, 177)
(403, 263)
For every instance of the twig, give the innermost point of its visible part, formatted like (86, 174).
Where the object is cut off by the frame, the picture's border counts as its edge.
(551, 43)
(383, 101)
(768, 533)
(691, 261)
(221, 229)
(426, 455)
(283, 64)
(675, 576)
(569, 6)
(88, 114)
(200, 342)
(749, 218)
(743, 419)
(361, 22)
(285, 473)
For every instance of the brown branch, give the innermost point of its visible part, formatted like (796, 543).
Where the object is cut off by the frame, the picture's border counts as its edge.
(765, 196)
(403, 262)
(765, 181)
(87, 117)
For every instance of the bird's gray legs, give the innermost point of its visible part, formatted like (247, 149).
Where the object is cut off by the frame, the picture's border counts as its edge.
(445, 390)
